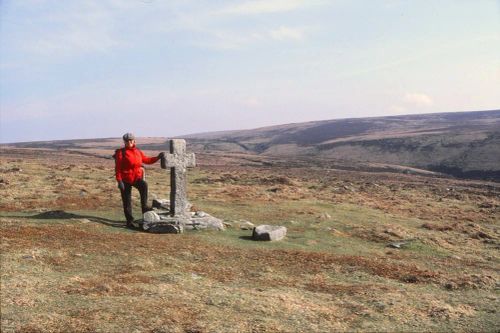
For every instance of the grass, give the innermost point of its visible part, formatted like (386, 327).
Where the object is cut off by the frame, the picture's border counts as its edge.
(75, 268)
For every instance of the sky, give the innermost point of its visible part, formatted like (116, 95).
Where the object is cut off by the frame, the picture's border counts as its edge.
(164, 68)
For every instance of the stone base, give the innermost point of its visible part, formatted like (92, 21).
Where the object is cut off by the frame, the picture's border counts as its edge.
(159, 221)
(161, 224)
(164, 228)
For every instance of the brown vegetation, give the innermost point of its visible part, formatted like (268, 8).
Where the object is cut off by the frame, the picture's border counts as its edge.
(69, 265)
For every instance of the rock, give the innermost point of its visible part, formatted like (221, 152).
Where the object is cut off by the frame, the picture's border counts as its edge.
(246, 225)
(151, 217)
(200, 214)
(205, 222)
(161, 203)
(162, 223)
(396, 245)
(451, 286)
(269, 232)
(165, 228)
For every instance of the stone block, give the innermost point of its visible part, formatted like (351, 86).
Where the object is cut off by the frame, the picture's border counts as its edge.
(269, 232)
(165, 228)
(150, 217)
(161, 203)
(205, 222)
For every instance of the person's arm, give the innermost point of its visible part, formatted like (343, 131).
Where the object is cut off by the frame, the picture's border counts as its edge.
(149, 160)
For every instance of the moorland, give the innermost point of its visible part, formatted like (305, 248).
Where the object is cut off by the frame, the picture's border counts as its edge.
(370, 247)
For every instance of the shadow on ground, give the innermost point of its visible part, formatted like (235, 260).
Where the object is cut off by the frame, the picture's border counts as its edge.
(61, 214)
(249, 238)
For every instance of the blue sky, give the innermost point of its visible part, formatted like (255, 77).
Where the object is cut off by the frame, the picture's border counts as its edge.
(99, 68)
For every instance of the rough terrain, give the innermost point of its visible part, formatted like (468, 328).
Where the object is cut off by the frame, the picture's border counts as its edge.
(365, 250)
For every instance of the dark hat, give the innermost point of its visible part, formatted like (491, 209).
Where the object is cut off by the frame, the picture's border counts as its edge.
(128, 136)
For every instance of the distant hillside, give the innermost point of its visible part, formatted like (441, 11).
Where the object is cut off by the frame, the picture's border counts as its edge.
(463, 144)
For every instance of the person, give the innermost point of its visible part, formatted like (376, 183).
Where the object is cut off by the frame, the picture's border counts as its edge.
(130, 173)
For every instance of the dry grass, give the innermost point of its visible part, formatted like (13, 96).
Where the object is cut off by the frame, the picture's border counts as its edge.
(68, 265)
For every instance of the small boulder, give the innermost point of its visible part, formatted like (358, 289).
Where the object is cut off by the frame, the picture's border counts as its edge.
(246, 225)
(205, 222)
(151, 217)
(200, 213)
(161, 203)
(269, 233)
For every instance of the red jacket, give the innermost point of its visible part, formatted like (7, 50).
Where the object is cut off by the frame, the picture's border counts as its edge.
(128, 168)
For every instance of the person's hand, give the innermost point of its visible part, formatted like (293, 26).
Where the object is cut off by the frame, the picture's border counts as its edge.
(161, 155)
(121, 185)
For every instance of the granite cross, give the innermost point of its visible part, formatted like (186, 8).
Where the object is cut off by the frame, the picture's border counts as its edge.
(178, 161)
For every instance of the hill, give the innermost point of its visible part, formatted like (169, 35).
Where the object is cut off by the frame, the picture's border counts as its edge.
(462, 144)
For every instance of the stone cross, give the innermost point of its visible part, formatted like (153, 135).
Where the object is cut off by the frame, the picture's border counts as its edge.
(178, 161)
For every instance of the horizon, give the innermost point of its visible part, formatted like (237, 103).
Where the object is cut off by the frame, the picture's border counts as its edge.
(248, 129)
(90, 69)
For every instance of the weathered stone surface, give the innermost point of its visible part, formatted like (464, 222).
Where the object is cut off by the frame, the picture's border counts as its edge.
(161, 204)
(205, 222)
(159, 221)
(398, 245)
(165, 224)
(199, 214)
(165, 228)
(246, 225)
(269, 232)
(178, 161)
(150, 217)
(172, 216)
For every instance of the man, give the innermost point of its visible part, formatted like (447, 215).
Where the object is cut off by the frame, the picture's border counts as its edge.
(129, 172)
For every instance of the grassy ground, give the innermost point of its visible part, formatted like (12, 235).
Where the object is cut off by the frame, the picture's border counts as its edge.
(69, 265)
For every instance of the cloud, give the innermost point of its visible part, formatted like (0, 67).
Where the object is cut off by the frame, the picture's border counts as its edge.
(263, 7)
(284, 33)
(411, 102)
(418, 99)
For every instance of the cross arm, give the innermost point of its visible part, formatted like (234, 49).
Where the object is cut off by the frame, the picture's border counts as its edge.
(180, 161)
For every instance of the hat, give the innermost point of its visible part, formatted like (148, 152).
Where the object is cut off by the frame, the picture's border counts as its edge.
(128, 136)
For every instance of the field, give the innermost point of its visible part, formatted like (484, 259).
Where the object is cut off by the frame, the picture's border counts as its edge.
(365, 251)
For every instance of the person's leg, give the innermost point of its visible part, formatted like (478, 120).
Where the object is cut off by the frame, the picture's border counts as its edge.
(127, 203)
(142, 186)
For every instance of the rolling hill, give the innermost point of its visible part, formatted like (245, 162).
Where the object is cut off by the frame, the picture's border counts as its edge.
(462, 144)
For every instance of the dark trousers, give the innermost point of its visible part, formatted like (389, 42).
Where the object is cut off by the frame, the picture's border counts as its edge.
(142, 186)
